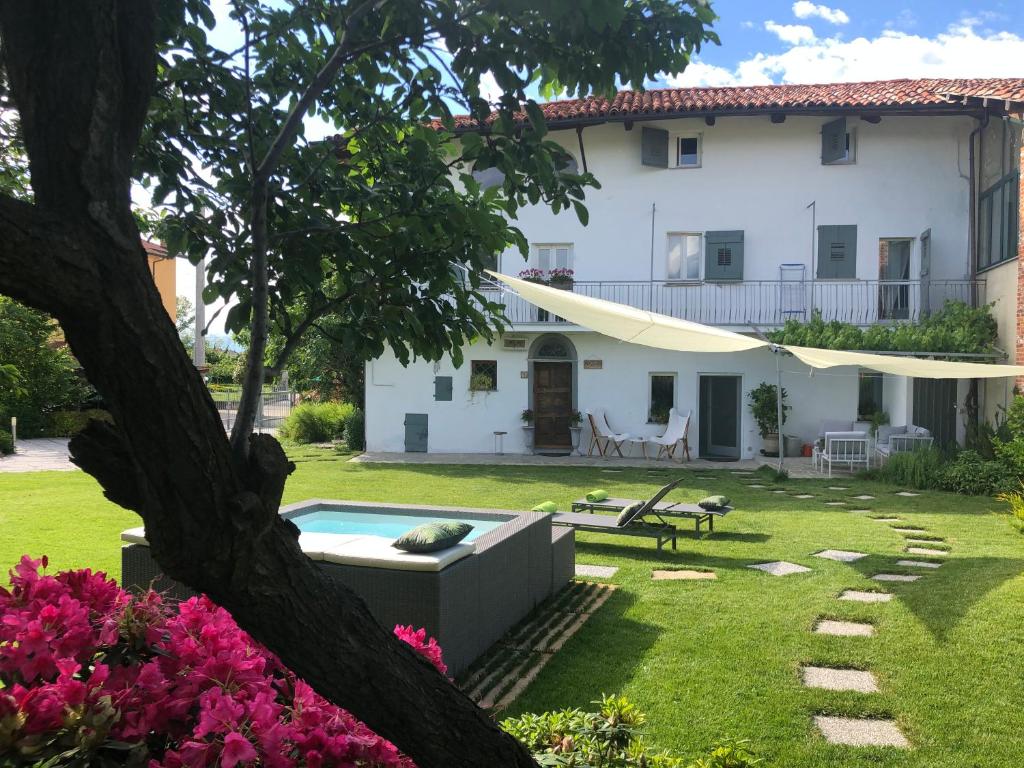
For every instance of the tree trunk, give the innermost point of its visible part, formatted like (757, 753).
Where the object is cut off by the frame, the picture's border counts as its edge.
(81, 75)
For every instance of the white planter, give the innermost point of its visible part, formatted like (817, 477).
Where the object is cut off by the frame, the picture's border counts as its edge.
(528, 437)
(575, 433)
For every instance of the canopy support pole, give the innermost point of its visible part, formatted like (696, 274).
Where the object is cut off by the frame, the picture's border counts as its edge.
(778, 401)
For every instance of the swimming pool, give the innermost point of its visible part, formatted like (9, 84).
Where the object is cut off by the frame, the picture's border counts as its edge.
(385, 522)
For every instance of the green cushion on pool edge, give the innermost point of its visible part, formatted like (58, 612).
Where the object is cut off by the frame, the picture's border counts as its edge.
(431, 537)
(714, 503)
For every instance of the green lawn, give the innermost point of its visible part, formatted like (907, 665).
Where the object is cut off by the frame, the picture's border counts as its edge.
(713, 658)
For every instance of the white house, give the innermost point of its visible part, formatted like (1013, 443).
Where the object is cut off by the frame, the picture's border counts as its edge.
(739, 207)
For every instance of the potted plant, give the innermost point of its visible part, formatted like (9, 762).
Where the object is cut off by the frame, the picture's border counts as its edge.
(561, 277)
(764, 407)
(480, 382)
(534, 275)
(575, 429)
(527, 418)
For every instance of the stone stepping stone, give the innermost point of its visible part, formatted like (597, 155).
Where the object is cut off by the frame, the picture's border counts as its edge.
(887, 520)
(804, 496)
(740, 472)
(860, 510)
(842, 555)
(859, 596)
(838, 488)
(780, 568)
(844, 628)
(864, 497)
(860, 732)
(596, 571)
(683, 575)
(895, 577)
(924, 542)
(907, 493)
(835, 503)
(927, 551)
(833, 679)
(779, 491)
(918, 564)
(755, 485)
(905, 529)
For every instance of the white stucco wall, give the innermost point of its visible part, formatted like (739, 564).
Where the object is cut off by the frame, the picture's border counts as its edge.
(760, 178)
(621, 387)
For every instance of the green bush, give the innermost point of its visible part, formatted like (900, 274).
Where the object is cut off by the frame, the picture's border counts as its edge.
(355, 429)
(316, 422)
(6, 443)
(70, 423)
(608, 738)
(972, 474)
(917, 469)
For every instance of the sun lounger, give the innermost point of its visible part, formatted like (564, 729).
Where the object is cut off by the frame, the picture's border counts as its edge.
(656, 508)
(583, 521)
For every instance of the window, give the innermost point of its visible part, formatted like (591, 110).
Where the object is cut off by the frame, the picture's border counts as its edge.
(483, 375)
(683, 261)
(869, 399)
(838, 144)
(894, 278)
(663, 397)
(837, 251)
(688, 151)
(550, 256)
(998, 225)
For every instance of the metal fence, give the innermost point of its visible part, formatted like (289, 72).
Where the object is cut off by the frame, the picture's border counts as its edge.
(272, 409)
(765, 302)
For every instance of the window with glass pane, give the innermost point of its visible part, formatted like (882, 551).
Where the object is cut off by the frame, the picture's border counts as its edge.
(554, 256)
(688, 151)
(869, 400)
(683, 256)
(663, 397)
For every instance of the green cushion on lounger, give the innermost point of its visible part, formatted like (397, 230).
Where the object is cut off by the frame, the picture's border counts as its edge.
(626, 516)
(546, 506)
(598, 494)
(431, 537)
(714, 503)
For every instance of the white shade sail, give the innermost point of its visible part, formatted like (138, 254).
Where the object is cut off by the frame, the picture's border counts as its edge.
(637, 326)
(651, 329)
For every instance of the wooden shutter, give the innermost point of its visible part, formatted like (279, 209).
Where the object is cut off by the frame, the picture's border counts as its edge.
(723, 255)
(416, 432)
(443, 388)
(833, 141)
(837, 251)
(654, 147)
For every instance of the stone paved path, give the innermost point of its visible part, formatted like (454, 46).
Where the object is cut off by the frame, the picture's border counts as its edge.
(38, 455)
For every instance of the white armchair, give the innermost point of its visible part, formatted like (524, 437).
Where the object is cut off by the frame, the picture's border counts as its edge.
(845, 448)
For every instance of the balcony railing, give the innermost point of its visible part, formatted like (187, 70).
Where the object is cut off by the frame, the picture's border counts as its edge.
(765, 303)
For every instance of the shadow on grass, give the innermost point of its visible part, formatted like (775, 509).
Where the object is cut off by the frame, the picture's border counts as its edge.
(593, 661)
(942, 597)
(665, 556)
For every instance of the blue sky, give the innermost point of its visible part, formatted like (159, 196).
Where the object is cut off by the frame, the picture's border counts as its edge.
(805, 41)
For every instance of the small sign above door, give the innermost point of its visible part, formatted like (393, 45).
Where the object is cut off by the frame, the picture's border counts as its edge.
(593, 365)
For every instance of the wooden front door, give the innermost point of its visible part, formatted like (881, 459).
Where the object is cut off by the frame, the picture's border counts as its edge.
(552, 404)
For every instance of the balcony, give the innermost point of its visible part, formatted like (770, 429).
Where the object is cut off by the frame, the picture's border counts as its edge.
(765, 303)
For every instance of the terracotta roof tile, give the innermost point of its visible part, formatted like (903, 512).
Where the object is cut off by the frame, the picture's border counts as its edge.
(881, 94)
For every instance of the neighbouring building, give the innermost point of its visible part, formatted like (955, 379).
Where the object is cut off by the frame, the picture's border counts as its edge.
(164, 272)
(743, 207)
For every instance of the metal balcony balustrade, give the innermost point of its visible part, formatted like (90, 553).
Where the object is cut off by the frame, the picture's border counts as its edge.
(765, 303)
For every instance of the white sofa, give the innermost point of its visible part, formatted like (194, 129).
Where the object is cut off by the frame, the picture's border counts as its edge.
(890, 440)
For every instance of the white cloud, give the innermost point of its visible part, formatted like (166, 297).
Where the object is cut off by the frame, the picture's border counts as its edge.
(803, 9)
(794, 34)
(960, 51)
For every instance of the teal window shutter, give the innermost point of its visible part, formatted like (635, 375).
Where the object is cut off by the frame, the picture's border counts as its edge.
(654, 147)
(837, 252)
(723, 255)
(833, 141)
(443, 388)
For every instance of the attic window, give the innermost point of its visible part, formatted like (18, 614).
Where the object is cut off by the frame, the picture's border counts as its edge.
(838, 144)
(688, 151)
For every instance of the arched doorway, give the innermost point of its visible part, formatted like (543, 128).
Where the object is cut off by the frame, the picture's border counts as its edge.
(552, 362)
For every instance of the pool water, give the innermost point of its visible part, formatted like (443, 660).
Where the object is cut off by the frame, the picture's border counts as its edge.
(387, 524)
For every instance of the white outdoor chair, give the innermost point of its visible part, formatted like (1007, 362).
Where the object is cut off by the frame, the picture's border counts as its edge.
(602, 436)
(892, 440)
(849, 448)
(675, 434)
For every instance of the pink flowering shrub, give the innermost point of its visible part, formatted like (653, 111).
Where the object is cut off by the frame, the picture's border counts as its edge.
(91, 673)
